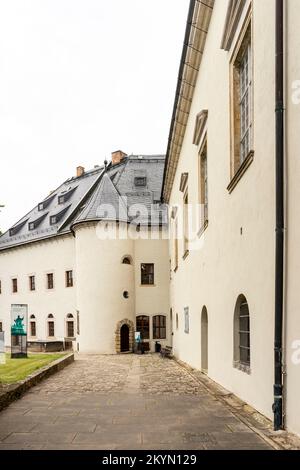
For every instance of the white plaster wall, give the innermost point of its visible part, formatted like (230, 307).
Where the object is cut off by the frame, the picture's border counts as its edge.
(229, 264)
(153, 300)
(101, 281)
(55, 255)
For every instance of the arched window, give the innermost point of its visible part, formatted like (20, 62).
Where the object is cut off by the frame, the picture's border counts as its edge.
(70, 325)
(127, 260)
(50, 326)
(32, 326)
(159, 327)
(242, 334)
(142, 325)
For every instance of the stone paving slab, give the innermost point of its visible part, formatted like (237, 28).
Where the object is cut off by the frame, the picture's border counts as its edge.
(123, 402)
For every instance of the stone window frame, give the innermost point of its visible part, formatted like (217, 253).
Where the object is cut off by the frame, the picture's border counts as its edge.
(174, 238)
(50, 319)
(237, 167)
(185, 203)
(202, 182)
(69, 318)
(32, 282)
(159, 324)
(50, 286)
(243, 366)
(143, 276)
(32, 319)
(143, 316)
(69, 278)
(14, 285)
(187, 320)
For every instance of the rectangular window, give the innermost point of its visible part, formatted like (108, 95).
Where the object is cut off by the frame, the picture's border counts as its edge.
(186, 223)
(0, 287)
(147, 274)
(15, 285)
(51, 328)
(69, 278)
(186, 320)
(159, 327)
(242, 102)
(1, 327)
(245, 104)
(50, 281)
(140, 181)
(142, 325)
(203, 185)
(176, 244)
(70, 329)
(31, 282)
(32, 328)
(78, 327)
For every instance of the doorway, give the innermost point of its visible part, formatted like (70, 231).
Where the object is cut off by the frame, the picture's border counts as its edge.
(124, 338)
(204, 340)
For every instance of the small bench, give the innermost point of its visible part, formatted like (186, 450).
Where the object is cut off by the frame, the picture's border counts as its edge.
(166, 352)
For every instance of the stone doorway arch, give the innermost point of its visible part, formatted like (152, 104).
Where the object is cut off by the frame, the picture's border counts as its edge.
(130, 326)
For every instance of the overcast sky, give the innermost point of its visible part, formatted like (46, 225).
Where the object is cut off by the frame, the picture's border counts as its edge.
(78, 80)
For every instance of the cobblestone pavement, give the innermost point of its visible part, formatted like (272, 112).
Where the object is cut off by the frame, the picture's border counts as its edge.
(122, 402)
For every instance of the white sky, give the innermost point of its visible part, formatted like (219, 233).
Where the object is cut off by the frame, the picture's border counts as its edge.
(78, 80)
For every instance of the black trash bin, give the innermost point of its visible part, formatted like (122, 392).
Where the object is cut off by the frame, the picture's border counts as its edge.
(157, 347)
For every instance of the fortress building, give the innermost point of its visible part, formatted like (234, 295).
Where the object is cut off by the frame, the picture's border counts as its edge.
(91, 261)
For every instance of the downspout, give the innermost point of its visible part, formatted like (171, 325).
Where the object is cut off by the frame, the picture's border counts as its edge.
(280, 226)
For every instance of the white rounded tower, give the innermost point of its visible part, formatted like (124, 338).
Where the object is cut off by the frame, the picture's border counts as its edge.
(104, 275)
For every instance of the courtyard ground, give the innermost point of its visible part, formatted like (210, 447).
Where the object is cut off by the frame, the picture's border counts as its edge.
(123, 402)
(15, 370)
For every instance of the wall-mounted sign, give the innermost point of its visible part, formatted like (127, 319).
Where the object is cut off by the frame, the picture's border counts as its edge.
(19, 319)
(18, 329)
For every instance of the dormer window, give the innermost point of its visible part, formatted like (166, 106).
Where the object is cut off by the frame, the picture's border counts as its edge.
(14, 230)
(65, 196)
(35, 223)
(140, 181)
(44, 204)
(54, 219)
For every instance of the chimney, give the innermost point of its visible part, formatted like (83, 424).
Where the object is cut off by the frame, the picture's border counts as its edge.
(79, 171)
(117, 156)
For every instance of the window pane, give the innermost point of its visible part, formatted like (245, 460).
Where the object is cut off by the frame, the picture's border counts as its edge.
(142, 325)
(70, 329)
(147, 273)
(50, 328)
(159, 327)
(32, 328)
(244, 324)
(245, 356)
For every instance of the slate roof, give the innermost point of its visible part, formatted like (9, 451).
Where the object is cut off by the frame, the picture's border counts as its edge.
(110, 194)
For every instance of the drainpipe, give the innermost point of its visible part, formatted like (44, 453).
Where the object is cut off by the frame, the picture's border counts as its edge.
(279, 259)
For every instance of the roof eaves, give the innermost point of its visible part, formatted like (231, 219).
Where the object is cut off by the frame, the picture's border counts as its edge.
(78, 206)
(197, 27)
